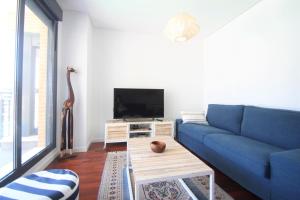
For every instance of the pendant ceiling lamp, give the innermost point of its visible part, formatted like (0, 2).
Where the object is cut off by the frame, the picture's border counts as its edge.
(181, 27)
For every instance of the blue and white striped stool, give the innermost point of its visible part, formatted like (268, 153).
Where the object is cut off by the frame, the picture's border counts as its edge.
(50, 184)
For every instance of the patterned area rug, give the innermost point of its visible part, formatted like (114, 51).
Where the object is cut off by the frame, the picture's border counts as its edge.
(114, 184)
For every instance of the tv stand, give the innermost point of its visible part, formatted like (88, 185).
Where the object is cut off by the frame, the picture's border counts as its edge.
(121, 131)
(142, 119)
(137, 119)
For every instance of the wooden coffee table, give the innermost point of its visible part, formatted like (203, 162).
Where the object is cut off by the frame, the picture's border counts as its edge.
(174, 163)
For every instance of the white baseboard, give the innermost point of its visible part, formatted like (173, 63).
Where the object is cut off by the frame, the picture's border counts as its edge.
(85, 148)
(80, 149)
(98, 140)
(42, 164)
(95, 140)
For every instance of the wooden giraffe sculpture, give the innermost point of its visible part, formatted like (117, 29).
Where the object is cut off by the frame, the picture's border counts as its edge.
(67, 118)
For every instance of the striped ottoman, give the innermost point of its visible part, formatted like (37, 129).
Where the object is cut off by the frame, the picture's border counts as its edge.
(50, 184)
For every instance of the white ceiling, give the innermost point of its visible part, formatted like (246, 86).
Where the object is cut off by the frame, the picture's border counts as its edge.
(152, 15)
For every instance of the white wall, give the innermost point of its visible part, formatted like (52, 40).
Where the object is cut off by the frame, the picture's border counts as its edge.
(255, 59)
(90, 85)
(61, 85)
(74, 51)
(252, 60)
(133, 60)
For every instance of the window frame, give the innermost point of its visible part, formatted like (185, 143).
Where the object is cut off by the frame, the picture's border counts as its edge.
(52, 11)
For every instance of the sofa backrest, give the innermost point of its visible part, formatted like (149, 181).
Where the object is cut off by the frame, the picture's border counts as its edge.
(228, 117)
(273, 126)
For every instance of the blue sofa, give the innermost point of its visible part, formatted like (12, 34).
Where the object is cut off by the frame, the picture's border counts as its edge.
(257, 147)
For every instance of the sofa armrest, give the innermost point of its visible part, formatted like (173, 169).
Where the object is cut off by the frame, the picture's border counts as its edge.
(285, 174)
(177, 123)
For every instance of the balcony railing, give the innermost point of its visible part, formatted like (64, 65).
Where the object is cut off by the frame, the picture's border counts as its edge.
(6, 113)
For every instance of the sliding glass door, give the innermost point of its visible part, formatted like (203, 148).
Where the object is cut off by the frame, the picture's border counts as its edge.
(8, 23)
(27, 86)
(37, 82)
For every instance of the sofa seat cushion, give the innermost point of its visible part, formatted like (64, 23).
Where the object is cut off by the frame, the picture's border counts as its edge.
(249, 154)
(198, 131)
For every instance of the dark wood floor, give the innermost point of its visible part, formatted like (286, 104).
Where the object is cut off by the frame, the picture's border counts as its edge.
(89, 167)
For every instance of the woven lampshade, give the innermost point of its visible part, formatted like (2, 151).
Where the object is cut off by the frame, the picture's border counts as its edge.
(181, 27)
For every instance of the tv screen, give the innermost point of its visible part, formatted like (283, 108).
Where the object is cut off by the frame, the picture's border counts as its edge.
(138, 103)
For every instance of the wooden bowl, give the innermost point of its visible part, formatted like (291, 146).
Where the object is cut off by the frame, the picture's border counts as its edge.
(158, 146)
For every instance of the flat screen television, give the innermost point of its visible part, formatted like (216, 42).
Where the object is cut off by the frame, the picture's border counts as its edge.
(138, 103)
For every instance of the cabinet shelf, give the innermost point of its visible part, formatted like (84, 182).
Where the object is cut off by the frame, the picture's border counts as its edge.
(140, 131)
(140, 135)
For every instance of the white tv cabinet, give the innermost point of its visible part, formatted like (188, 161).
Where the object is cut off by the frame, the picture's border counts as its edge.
(120, 130)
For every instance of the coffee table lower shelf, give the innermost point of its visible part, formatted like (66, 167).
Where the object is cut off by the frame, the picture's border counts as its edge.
(137, 185)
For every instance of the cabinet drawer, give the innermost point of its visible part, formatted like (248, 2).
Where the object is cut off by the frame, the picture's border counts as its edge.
(168, 133)
(163, 129)
(116, 135)
(163, 126)
(117, 128)
(116, 132)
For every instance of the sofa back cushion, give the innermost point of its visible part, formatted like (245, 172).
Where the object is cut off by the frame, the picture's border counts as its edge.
(273, 126)
(228, 117)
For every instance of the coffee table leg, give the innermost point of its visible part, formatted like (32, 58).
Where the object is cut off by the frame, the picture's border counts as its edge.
(136, 191)
(211, 186)
(128, 167)
(129, 184)
(191, 194)
(127, 154)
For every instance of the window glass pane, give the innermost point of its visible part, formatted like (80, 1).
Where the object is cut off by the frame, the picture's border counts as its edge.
(8, 10)
(36, 84)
